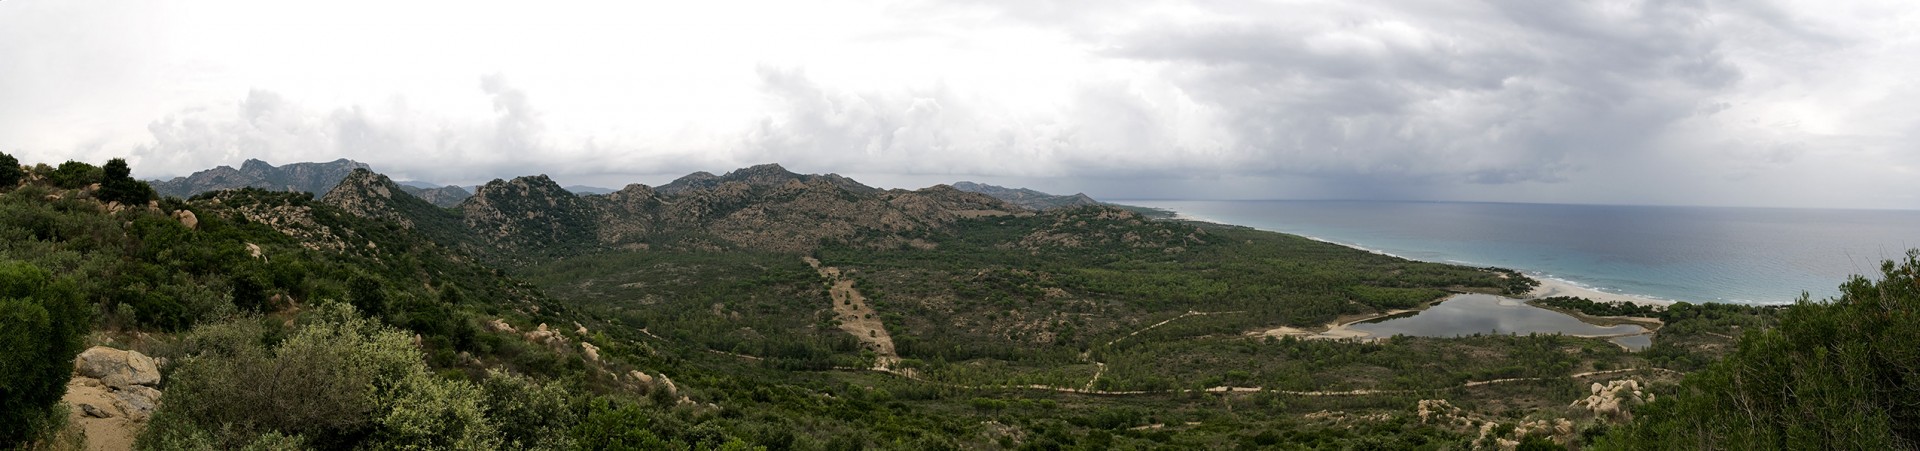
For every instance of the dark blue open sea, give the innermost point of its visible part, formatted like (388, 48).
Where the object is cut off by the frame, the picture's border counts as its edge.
(1698, 254)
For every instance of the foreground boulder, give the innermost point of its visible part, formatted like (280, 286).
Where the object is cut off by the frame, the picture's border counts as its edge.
(117, 368)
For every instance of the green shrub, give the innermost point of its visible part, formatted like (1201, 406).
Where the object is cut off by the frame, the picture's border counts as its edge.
(338, 381)
(528, 414)
(41, 323)
(74, 174)
(1831, 375)
(117, 185)
(10, 173)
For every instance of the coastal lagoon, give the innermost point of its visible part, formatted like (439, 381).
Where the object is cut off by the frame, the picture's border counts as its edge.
(1468, 314)
(1695, 254)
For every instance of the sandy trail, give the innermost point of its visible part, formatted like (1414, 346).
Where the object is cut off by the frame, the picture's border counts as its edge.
(115, 433)
(1229, 389)
(1338, 328)
(1169, 320)
(850, 308)
(1102, 369)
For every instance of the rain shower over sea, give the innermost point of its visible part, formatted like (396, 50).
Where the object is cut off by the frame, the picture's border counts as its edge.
(1694, 254)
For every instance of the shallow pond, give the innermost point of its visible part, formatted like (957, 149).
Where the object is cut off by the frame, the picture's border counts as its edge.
(1468, 314)
(1635, 342)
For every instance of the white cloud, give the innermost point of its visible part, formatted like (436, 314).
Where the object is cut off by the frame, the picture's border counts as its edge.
(1692, 102)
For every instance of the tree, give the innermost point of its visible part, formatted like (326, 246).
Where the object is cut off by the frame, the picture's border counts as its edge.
(1841, 374)
(74, 174)
(42, 321)
(117, 185)
(10, 172)
(367, 295)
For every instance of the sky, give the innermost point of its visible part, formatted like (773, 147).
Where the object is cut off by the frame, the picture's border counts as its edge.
(1776, 103)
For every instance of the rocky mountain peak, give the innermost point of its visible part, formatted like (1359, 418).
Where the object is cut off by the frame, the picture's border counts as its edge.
(529, 211)
(768, 170)
(316, 178)
(445, 196)
(371, 195)
(764, 175)
(1026, 198)
(255, 166)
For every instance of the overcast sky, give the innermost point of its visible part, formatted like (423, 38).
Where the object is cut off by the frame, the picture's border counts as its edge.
(1751, 102)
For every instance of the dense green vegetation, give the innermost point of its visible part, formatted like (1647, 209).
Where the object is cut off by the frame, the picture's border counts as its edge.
(41, 322)
(288, 323)
(1832, 375)
(992, 304)
(1597, 308)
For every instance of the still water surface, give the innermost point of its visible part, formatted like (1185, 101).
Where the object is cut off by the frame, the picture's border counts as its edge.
(1468, 314)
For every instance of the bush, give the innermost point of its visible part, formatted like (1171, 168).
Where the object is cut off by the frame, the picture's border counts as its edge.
(10, 173)
(339, 381)
(74, 174)
(42, 321)
(117, 185)
(1831, 375)
(528, 414)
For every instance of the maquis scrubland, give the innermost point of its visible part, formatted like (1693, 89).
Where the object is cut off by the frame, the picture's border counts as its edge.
(325, 306)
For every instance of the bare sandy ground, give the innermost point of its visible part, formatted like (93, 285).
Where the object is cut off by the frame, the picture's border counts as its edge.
(856, 317)
(1338, 328)
(114, 433)
(1551, 288)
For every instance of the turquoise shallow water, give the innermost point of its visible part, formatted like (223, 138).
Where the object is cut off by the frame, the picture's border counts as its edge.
(1698, 254)
(1468, 314)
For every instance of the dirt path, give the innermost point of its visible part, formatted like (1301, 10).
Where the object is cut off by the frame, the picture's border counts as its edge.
(1088, 390)
(1102, 369)
(113, 433)
(1169, 320)
(850, 308)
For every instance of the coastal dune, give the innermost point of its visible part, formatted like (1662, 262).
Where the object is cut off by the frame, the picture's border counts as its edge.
(1553, 288)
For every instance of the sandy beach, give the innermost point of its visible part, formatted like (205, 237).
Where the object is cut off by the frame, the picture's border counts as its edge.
(1551, 288)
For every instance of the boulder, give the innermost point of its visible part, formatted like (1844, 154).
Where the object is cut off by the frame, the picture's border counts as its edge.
(668, 384)
(117, 368)
(592, 352)
(187, 218)
(542, 334)
(95, 412)
(138, 401)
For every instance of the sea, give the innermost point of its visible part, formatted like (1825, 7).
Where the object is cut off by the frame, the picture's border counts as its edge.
(1694, 254)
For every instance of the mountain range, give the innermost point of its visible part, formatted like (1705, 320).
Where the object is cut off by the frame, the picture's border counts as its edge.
(796, 311)
(316, 178)
(1026, 198)
(754, 207)
(763, 208)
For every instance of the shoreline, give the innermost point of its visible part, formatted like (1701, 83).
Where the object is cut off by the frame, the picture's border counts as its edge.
(1549, 287)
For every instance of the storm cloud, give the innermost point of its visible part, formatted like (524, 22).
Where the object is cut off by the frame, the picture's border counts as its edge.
(1773, 102)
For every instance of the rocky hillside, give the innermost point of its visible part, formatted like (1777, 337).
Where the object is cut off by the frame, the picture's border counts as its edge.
(774, 210)
(316, 178)
(370, 195)
(529, 212)
(764, 208)
(446, 196)
(1026, 198)
(759, 175)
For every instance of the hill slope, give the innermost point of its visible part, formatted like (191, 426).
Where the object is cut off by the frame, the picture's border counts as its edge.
(794, 311)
